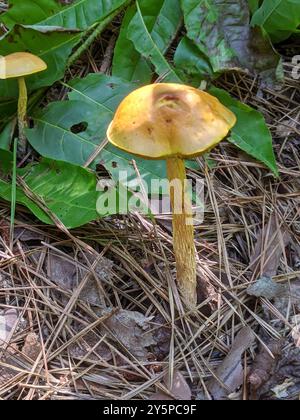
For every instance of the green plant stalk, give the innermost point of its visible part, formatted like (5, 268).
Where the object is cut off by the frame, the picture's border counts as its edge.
(22, 110)
(98, 29)
(13, 193)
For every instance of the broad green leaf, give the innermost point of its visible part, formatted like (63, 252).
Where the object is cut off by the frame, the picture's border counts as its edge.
(70, 192)
(6, 159)
(162, 19)
(5, 194)
(280, 18)
(7, 108)
(254, 5)
(53, 45)
(251, 133)
(54, 134)
(150, 47)
(222, 32)
(103, 92)
(130, 66)
(120, 165)
(29, 12)
(191, 65)
(7, 134)
(78, 14)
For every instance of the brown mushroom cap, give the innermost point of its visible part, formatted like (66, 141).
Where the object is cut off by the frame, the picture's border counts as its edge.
(20, 64)
(169, 120)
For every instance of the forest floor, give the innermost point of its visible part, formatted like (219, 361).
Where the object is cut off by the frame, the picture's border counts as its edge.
(94, 313)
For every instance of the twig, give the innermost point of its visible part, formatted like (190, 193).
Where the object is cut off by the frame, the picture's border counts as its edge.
(95, 153)
(105, 66)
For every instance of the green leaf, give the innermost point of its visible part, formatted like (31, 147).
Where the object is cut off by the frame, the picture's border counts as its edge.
(7, 108)
(80, 14)
(119, 165)
(54, 133)
(7, 134)
(150, 45)
(29, 12)
(222, 32)
(5, 194)
(162, 19)
(253, 5)
(251, 133)
(68, 191)
(191, 65)
(53, 45)
(280, 18)
(130, 66)
(6, 159)
(103, 92)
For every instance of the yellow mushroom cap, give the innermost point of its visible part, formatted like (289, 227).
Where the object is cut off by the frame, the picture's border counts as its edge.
(169, 120)
(20, 64)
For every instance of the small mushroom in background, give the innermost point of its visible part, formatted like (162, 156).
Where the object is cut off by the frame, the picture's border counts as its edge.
(18, 66)
(173, 122)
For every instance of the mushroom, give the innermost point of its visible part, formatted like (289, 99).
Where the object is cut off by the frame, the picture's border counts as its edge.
(173, 122)
(18, 66)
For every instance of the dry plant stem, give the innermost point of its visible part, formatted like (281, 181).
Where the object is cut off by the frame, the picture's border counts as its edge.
(22, 110)
(183, 232)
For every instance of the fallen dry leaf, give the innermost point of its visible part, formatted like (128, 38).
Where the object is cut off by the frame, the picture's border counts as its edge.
(32, 346)
(27, 235)
(264, 367)
(133, 330)
(269, 249)
(265, 287)
(87, 348)
(62, 272)
(67, 275)
(287, 126)
(162, 336)
(92, 293)
(283, 296)
(230, 374)
(296, 330)
(179, 389)
(8, 320)
(294, 294)
(282, 374)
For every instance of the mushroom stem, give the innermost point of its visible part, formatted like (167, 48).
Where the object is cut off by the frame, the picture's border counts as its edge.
(22, 110)
(183, 231)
